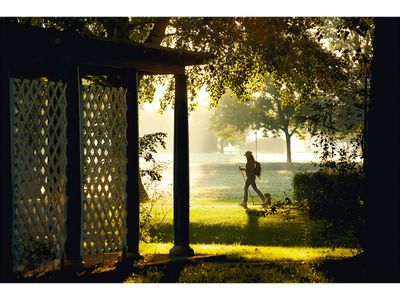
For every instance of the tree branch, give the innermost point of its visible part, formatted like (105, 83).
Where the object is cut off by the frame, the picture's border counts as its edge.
(294, 130)
(157, 34)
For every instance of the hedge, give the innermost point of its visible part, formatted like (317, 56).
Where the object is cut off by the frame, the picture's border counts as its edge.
(332, 196)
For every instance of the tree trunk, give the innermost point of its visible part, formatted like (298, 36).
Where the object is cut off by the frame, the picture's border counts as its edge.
(157, 34)
(288, 148)
(221, 146)
(382, 173)
(121, 29)
(285, 123)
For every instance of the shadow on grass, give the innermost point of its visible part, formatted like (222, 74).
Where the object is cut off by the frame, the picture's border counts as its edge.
(289, 234)
(223, 234)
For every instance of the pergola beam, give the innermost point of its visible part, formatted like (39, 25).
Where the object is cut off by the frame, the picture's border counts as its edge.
(53, 48)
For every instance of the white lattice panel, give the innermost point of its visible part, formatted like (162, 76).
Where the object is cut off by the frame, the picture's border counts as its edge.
(39, 170)
(104, 160)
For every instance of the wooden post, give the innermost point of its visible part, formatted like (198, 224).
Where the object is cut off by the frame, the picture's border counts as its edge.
(181, 170)
(132, 167)
(6, 200)
(74, 170)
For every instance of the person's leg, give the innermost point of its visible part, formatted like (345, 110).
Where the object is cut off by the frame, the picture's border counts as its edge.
(246, 193)
(259, 193)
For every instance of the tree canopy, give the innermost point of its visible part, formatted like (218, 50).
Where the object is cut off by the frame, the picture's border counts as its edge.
(325, 62)
(245, 49)
(274, 111)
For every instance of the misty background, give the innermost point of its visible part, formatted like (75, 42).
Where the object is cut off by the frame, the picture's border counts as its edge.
(203, 143)
(215, 175)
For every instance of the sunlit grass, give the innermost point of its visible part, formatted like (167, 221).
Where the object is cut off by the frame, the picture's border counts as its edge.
(228, 223)
(257, 253)
(218, 225)
(207, 211)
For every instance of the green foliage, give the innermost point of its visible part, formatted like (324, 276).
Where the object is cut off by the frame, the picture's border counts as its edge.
(334, 194)
(148, 144)
(342, 114)
(331, 195)
(351, 39)
(244, 50)
(231, 111)
(152, 212)
(247, 50)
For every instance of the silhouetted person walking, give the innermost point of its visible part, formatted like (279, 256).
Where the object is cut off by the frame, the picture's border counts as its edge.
(251, 180)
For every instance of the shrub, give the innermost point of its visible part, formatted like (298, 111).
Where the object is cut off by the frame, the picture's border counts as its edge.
(330, 196)
(335, 194)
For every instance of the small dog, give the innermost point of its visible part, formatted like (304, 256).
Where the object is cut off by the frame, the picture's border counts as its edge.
(268, 197)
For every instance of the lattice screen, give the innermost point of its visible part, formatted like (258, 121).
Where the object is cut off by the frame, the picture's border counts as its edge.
(39, 170)
(104, 160)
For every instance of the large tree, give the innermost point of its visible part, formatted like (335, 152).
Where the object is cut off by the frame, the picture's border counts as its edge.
(275, 111)
(279, 110)
(382, 170)
(245, 50)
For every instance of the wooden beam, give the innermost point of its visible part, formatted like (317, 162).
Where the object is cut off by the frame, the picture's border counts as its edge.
(54, 48)
(132, 167)
(141, 67)
(6, 199)
(181, 170)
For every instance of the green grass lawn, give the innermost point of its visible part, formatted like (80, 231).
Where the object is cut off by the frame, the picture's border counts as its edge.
(228, 223)
(287, 245)
(283, 247)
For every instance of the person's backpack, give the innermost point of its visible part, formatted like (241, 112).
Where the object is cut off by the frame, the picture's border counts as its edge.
(257, 169)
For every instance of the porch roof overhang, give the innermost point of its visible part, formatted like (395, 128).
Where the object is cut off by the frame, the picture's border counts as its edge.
(36, 50)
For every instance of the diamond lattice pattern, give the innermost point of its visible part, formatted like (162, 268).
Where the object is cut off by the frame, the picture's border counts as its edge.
(104, 160)
(39, 170)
